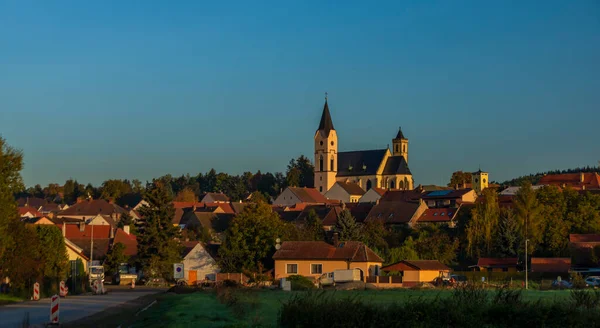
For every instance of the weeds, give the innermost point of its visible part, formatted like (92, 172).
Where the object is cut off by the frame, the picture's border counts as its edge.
(585, 298)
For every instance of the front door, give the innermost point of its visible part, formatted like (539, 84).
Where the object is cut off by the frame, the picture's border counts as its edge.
(192, 277)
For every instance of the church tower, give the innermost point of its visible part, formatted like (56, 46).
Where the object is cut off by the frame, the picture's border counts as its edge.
(400, 145)
(325, 152)
(479, 181)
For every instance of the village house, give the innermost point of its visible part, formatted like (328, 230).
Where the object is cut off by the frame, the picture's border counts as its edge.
(449, 198)
(398, 208)
(414, 272)
(81, 235)
(497, 264)
(313, 258)
(75, 253)
(345, 192)
(213, 197)
(577, 181)
(37, 220)
(29, 212)
(199, 262)
(372, 195)
(445, 216)
(552, 264)
(86, 209)
(294, 195)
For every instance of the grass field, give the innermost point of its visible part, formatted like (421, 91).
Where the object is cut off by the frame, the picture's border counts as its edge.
(7, 299)
(203, 309)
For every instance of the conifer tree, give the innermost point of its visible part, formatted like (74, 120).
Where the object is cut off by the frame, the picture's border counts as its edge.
(346, 226)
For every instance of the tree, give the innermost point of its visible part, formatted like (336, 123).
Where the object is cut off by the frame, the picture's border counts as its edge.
(115, 189)
(11, 163)
(158, 247)
(186, 195)
(459, 178)
(482, 225)
(556, 227)
(373, 234)
(300, 173)
(257, 197)
(527, 210)
(346, 226)
(73, 190)
(405, 252)
(114, 258)
(313, 227)
(508, 237)
(52, 251)
(249, 242)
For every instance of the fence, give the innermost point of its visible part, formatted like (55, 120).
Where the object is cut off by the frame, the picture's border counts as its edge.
(237, 277)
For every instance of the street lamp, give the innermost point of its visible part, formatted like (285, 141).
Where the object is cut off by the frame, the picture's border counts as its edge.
(526, 264)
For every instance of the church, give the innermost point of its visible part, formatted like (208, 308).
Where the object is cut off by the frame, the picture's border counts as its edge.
(377, 168)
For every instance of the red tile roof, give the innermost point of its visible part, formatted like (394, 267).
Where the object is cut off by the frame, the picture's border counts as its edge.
(574, 180)
(401, 195)
(319, 250)
(584, 238)
(438, 215)
(129, 240)
(394, 211)
(218, 197)
(309, 195)
(554, 264)
(416, 265)
(380, 191)
(27, 209)
(92, 208)
(187, 204)
(73, 231)
(497, 262)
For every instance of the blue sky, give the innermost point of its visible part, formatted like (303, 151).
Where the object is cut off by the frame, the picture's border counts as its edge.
(138, 89)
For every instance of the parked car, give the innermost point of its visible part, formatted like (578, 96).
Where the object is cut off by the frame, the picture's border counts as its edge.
(592, 281)
(563, 284)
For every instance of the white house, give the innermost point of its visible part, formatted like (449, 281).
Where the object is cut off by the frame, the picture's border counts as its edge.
(199, 262)
(372, 196)
(346, 192)
(101, 220)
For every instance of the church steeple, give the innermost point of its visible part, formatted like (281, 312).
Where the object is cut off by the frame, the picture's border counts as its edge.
(326, 124)
(400, 135)
(400, 145)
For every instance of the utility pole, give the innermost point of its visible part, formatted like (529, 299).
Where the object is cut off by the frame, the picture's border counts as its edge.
(526, 264)
(92, 247)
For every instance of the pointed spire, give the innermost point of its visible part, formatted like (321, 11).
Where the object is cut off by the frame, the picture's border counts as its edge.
(400, 135)
(326, 122)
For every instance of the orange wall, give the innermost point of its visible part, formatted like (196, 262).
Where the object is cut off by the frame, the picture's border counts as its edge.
(328, 266)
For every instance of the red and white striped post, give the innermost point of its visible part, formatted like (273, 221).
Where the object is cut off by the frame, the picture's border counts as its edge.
(95, 286)
(54, 305)
(36, 292)
(63, 289)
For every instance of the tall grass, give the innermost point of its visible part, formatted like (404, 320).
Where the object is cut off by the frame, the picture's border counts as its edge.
(468, 306)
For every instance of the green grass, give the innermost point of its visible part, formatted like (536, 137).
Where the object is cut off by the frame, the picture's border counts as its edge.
(202, 309)
(8, 299)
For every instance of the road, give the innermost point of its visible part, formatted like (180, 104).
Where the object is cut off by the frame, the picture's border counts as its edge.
(71, 308)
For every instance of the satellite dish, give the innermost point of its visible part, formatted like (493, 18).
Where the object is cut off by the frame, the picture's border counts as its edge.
(278, 240)
(277, 247)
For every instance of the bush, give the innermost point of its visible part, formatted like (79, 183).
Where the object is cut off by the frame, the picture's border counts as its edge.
(301, 282)
(585, 298)
(230, 283)
(577, 280)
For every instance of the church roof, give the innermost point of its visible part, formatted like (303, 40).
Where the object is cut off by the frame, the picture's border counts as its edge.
(396, 165)
(400, 135)
(326, 122)
(362, 162)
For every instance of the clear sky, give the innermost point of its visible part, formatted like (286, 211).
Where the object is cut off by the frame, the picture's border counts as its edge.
(136, 89)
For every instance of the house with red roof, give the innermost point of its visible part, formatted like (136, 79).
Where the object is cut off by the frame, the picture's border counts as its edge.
(551, 264)
(129, 240)
(446, 216)
(577, 181)
(29, 212)
(313, 258)
(346, 192)
(418, 271)
(86, 209)
(372, 195)
(294, 195)
(497, 264)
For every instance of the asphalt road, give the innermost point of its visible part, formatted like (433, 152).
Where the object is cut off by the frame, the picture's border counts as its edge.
(71, 307)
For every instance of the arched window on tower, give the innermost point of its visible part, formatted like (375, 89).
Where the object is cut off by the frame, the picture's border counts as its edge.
(392, 184)
(406, 185)
(332, 166)
(401, 184)
(368, 185)
(321, 163)
(396, 149)
(404, 148)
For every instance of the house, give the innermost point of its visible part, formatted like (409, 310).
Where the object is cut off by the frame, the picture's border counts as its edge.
(216, 223)
(497, 264)
(51, 208)
(398, 208)
(81, 235)
(345, 192)
(577, 181)
(418, 271)
(327, 214)
(379, 168)
(34, 202)
(129, 240)
(29, 212)
(38, 220)
(213, 197)
(512, 191)
(294, 195)
(445, 216)
(552, 264)
(75, 253)
(449, 198)
(140, 205)
(372, 195)
(313, 258)
(582, 249)
(86, 209)
(199, 261)
(589, 240)
(101, 220)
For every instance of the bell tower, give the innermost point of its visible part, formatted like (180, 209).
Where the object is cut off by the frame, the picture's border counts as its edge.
(325, 152)
(400, 145)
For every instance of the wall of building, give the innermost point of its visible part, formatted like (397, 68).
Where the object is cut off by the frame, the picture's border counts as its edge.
(286, 198)
(338, 193)
(200, 261)
(326, 147)
(304, 266)
(73, 256)
(370, 196)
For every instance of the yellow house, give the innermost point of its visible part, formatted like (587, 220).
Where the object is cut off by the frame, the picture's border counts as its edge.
(313, 258)
(75, 252)
(497, 264)
(417, 271)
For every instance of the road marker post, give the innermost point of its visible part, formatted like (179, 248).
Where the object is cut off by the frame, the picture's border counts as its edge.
(63, 289)
(54, 310)
(36, 292)
(95, 287)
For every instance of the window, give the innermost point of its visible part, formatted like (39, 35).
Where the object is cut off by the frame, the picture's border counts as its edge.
(483, 180)
(321, 163)
(404, 148)
(504, 269)
(396, 148)
(332, 166)
(291, 268)
(316, 268)
(392, 185)
(321, 143)
(321, 189)
(332, 143)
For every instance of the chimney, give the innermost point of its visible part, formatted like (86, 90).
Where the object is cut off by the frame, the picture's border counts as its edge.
(126, 229)
(335, 239)
(111, 201)
(64, 229)
(79, 200)
(112, 233)
(82, 226)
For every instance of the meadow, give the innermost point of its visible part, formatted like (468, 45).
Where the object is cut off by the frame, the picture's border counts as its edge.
(8, 299)
(260, 308)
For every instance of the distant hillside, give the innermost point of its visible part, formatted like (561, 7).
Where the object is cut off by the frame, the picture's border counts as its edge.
(534, 178)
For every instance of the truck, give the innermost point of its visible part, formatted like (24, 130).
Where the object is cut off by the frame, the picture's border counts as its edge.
(125, 275)
(96, 272)
(339, 276)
